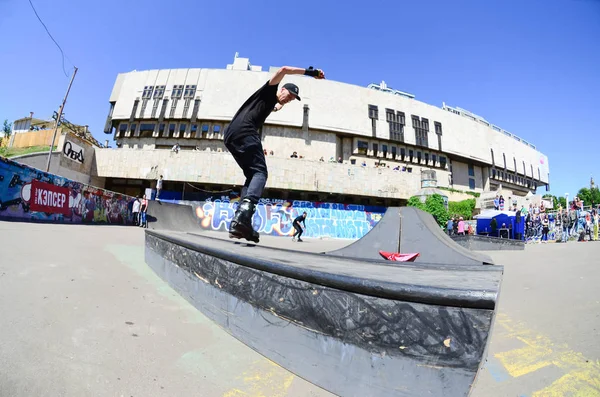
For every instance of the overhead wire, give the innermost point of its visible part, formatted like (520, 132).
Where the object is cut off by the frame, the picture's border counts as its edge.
(49, 34)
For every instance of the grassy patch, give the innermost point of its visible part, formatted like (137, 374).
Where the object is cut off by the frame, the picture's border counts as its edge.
(18, 151)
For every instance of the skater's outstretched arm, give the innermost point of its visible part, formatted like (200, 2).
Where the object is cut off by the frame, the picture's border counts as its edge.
(278, 76)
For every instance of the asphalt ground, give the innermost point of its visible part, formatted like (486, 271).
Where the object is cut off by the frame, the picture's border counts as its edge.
(83, 315)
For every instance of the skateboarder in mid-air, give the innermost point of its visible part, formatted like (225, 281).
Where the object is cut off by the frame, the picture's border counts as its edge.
(243, 142)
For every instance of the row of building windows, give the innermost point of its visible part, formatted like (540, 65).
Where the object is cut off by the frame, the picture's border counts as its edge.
(188, 92)
(512, 178)
(171, 130)
(401, 154)
(396, 122)
(515, 165)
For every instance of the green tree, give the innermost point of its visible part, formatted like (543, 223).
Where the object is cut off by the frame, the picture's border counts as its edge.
(435, 206)
(589, 196)
(415, 201)
(462, 208)
(7, 128)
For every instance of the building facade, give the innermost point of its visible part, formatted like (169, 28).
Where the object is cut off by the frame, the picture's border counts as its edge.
(364, 144)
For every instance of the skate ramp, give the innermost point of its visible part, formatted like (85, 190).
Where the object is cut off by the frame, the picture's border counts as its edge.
(351, 326)
(174, 217)
(408, 230)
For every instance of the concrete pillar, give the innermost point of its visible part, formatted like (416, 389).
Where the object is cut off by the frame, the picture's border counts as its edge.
(485, 176)
(305, 133)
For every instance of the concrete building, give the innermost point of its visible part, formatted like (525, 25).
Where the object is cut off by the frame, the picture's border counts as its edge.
(357, 144)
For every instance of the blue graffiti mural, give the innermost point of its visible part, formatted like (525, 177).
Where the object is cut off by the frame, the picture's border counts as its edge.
(275, 217)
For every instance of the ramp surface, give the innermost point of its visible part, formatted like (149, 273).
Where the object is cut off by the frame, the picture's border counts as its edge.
(407, 230)
(401, 229)
(174, 217)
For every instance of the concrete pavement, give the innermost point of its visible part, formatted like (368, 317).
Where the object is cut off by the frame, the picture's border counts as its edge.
(82, 315)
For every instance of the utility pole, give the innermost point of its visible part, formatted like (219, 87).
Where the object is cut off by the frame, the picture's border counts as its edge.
(60, 111)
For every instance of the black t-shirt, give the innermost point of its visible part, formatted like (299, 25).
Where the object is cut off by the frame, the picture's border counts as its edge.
(300, 219)
(253, 113)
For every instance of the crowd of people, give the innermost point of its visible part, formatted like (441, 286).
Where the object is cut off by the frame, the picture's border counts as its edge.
(578, 221)
(456, 226)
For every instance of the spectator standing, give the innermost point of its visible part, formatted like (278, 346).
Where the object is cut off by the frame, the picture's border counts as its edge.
(461, 226)
(518, 221)
(136, 211)
(565, 224)
(545, 228)
(450, 226)
(496, 203)
(143, 209)
(159, 184)
(595, 223)
(573, 221)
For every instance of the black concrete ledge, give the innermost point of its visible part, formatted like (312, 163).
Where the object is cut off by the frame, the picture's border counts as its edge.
(352, 327)
(469, 286)
(487, 243)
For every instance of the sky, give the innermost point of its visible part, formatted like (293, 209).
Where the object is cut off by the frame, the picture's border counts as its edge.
(531, 67)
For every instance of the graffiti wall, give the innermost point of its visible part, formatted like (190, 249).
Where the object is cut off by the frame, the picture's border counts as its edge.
(30, 194)
(275, 217)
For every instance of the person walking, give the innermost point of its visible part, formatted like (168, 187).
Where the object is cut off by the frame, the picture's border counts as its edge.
(242, 139)
(296, 224)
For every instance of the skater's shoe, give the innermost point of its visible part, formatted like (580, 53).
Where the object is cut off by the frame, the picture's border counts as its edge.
(300, 240)
(293, 238)
(240, 231)
(241, 224)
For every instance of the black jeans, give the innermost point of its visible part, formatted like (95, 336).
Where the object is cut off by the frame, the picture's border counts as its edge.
(298, 230)
(248, 153)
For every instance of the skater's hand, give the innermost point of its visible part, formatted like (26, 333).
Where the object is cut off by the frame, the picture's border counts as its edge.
(277, 107)
(316, 73)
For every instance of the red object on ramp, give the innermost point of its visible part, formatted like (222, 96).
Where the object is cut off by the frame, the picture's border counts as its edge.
(398, 257)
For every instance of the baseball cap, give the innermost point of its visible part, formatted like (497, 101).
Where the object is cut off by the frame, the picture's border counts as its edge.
(293, 89)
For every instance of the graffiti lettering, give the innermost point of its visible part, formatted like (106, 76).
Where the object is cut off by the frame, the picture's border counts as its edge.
(274, 217)
(73, 152)
(51, 199)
